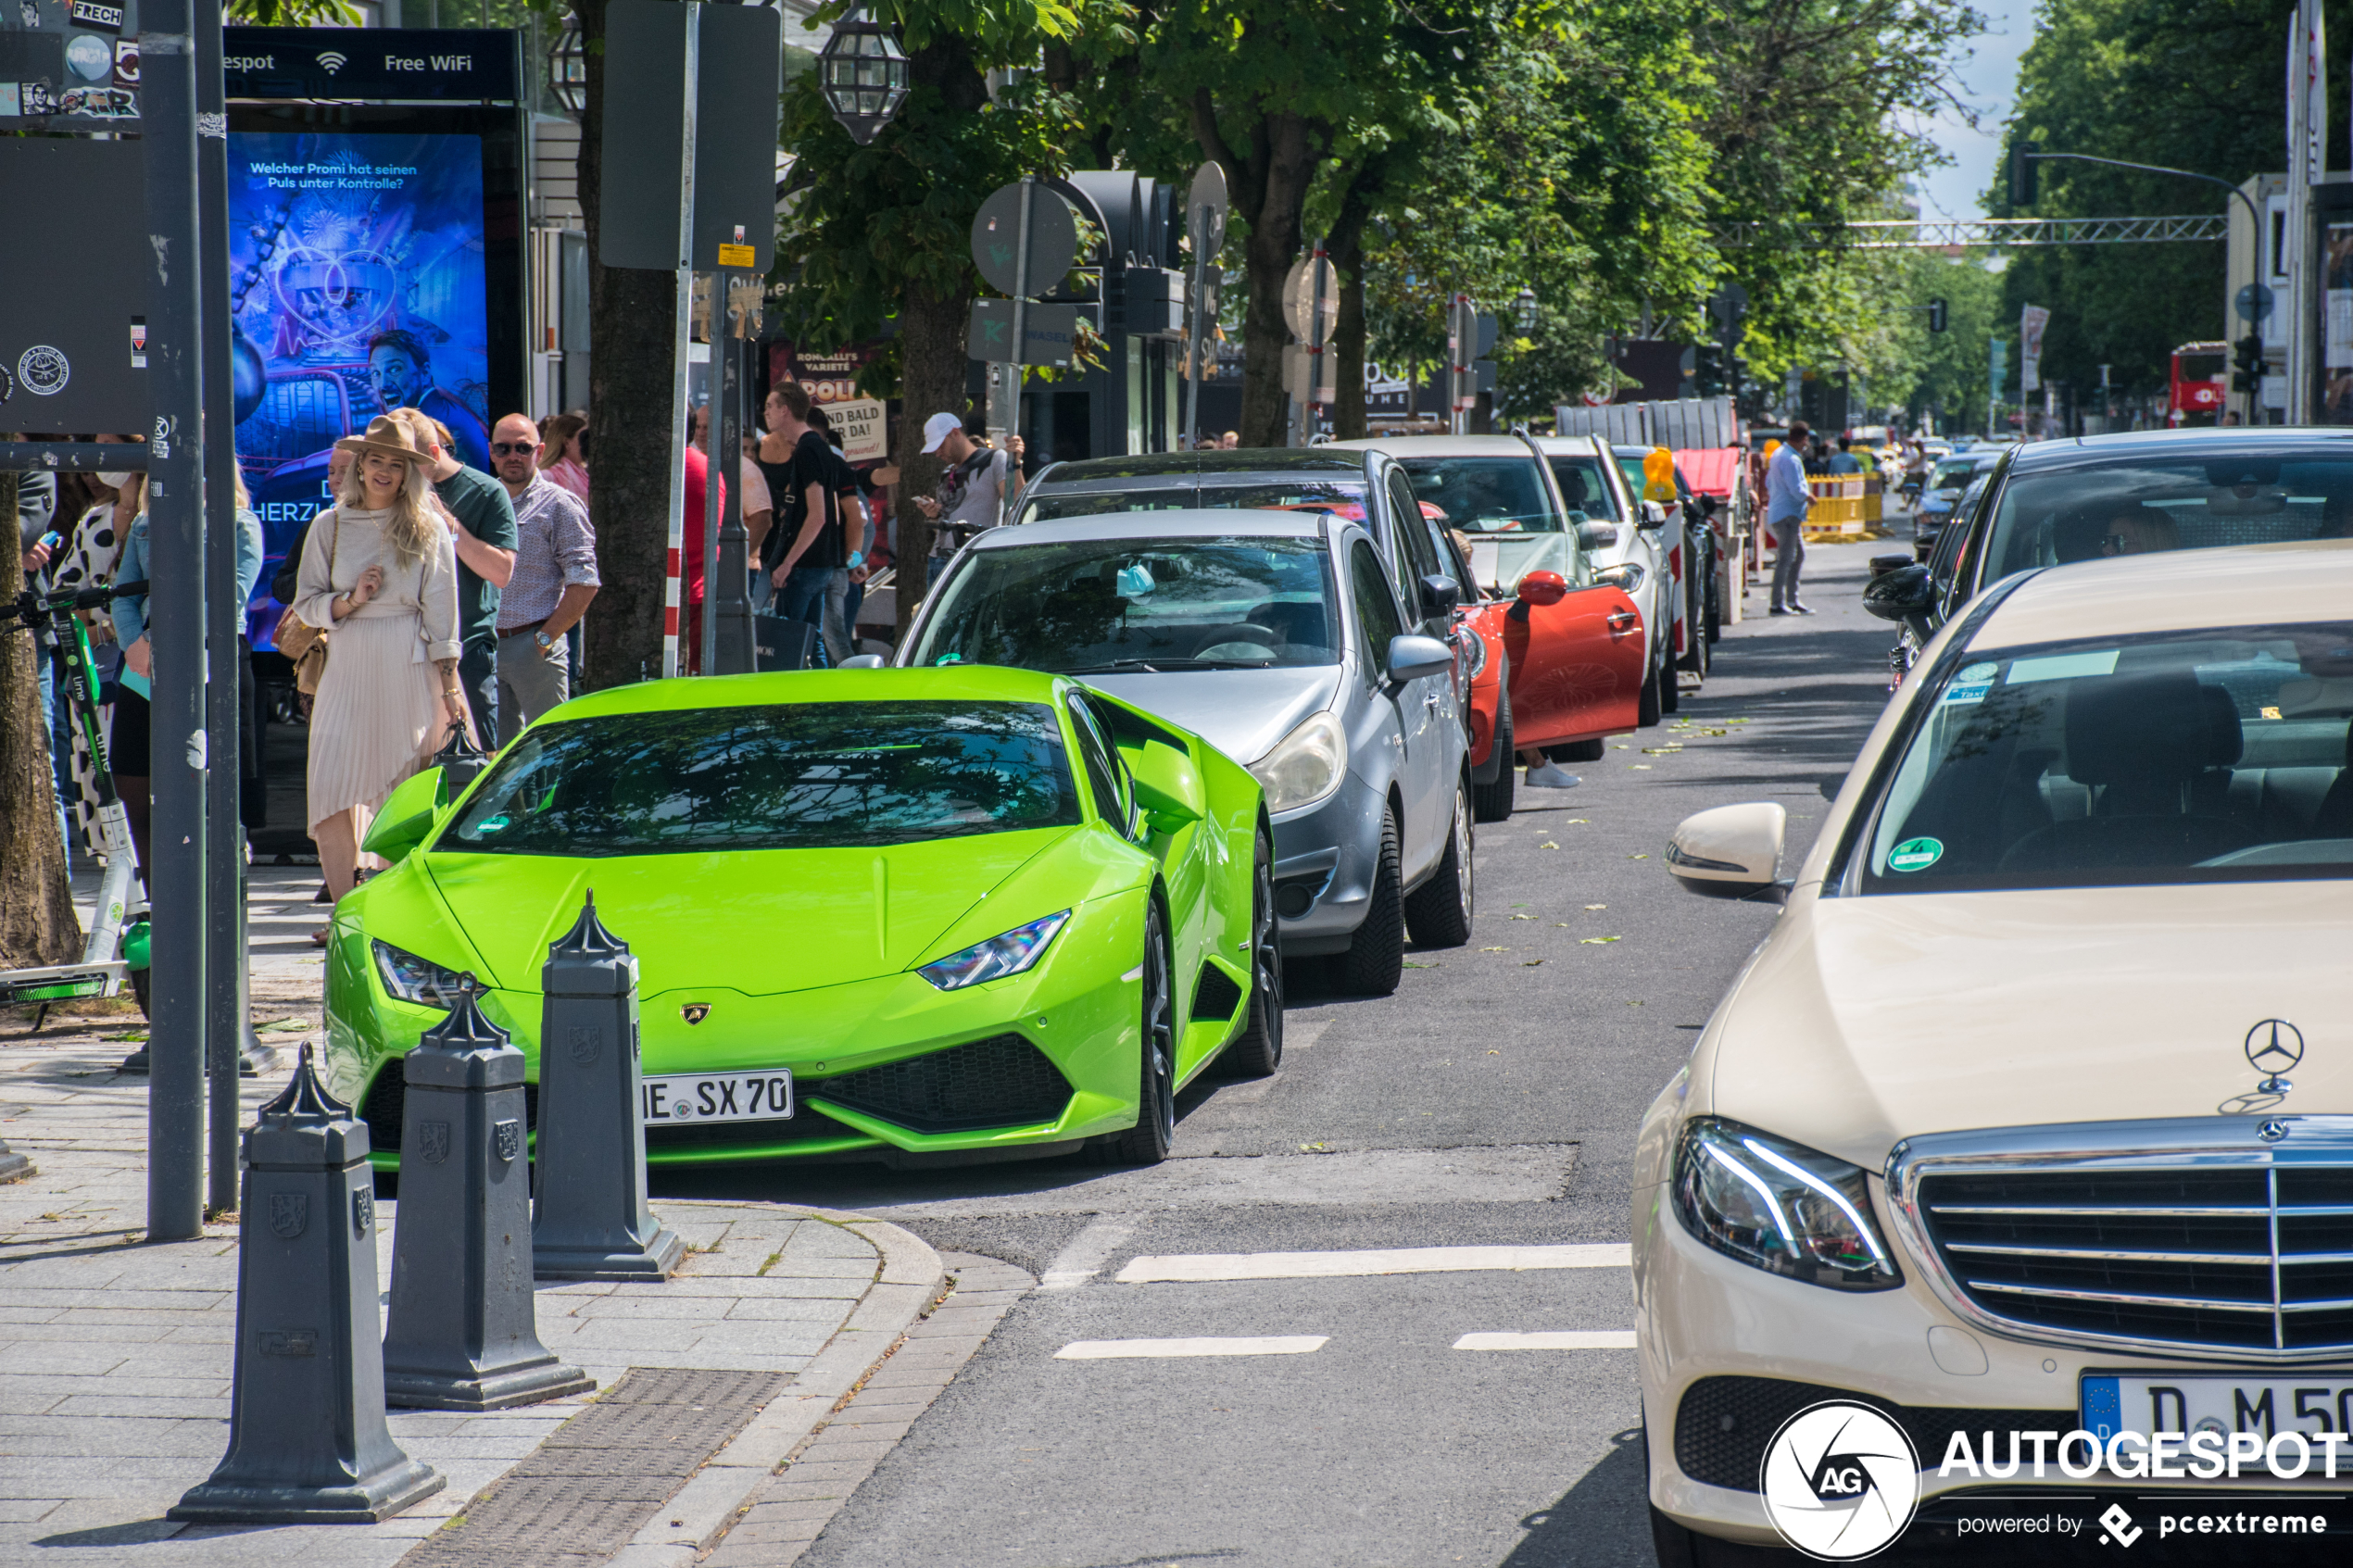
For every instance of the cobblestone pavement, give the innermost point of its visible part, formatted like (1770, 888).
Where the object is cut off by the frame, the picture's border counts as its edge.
(115, 1355)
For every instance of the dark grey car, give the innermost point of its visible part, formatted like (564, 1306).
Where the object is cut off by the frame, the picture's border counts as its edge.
(1279, 637)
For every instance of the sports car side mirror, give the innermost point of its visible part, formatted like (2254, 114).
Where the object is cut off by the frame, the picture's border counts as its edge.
(1412, 657)
(1543, 589)
(410, 815)
(1167, 786)
(1729, 852)
(1441, 594)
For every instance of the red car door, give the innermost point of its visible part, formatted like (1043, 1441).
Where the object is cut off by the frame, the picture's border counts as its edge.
(1574, 662)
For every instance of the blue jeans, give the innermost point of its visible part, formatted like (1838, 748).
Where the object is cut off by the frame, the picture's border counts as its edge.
(53, 709)
(817, 595)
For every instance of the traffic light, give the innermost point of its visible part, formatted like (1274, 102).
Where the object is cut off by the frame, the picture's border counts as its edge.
(2246, 364)
(1708, 373)
(1938, 313)
(2022, 172)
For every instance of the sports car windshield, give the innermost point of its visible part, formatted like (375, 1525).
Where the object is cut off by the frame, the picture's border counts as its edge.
(1485, 495)
(2212, 756)
(2138, 503)
(1099, 606)
(817, 775)
(1283, 495)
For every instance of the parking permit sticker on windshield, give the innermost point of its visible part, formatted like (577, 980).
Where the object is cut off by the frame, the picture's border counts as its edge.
(1915, 855)
(2063, 666)
(1971, 684)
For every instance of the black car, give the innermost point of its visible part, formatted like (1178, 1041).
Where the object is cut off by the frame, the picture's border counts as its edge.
(1941, 494)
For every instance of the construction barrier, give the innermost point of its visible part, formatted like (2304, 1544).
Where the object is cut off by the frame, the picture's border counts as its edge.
(1847, 505)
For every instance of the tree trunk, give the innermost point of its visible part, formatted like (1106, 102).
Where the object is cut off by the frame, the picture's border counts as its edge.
(933, 361)
(37, 922)
(1269, 190)
(631, 312)
(1345, 245)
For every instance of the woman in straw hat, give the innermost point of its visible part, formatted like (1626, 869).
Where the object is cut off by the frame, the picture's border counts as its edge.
(379, 572)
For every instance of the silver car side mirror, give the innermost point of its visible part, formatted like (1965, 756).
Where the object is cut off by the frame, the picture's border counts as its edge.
(1597, 536)
(1730, 851)
(862, 661)
(1412, 657)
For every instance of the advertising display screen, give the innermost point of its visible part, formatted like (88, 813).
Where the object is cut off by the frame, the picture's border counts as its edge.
(357, 284)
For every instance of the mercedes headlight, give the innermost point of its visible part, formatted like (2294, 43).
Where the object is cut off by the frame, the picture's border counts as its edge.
(996, 958)
(413, 979)
(1780, 1207)
(1306, 766)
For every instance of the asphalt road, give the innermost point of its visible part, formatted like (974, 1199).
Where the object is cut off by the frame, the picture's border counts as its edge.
(1492, 1102)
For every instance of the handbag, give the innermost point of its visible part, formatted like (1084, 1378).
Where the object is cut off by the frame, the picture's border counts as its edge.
(304, 644)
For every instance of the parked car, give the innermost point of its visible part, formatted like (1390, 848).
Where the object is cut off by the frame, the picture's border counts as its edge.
(1630, 543)
(1280, 636)
(1691, 561)
(857, 897)
(1940, 497)
(2003, 1128)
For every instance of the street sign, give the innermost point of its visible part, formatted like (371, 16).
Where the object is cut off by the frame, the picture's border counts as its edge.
(1209, 191)
(1053, 239)
(1295, 374)
(1049, 333)
(1300, 294)
(737, 78)
(2254, 303)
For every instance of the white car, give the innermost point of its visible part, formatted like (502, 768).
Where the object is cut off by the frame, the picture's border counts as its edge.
(2033, 1112)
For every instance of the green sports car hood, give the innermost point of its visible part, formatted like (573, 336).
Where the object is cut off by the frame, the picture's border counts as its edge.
(758, 922)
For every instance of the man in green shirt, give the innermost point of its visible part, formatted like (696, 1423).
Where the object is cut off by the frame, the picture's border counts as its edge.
(485, 527)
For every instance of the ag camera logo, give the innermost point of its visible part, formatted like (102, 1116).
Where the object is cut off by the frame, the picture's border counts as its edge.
(1840, 1481)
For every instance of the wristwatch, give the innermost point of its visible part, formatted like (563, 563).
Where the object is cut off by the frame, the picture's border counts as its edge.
(545, 641)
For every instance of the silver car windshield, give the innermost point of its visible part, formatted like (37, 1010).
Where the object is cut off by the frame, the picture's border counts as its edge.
(1097, 606)
(1345, 496)
(2209, 755)
(2142, 503)
(1485, 495)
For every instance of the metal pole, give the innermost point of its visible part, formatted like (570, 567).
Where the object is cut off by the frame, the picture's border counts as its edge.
(1316, 265)
(715, 470)
(727, 600)
(1013, 374)
(228, 1020)
(682, 341)
(1197, 329)
(176, 626)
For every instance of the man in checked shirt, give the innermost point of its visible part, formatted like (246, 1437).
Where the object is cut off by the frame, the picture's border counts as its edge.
(555, 578)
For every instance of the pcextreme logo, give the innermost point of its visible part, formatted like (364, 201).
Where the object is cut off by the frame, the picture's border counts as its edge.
(1840, 1481)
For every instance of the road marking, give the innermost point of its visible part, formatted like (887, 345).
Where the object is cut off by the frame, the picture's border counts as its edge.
(1082, 1258)
(1207, 1266)
(1110, 1350)
(1575, 1340)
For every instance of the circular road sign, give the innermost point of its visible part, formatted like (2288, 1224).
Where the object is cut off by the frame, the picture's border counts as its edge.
(2254, 303)
(1053, 239)
(1299, 298)
(1209, 191)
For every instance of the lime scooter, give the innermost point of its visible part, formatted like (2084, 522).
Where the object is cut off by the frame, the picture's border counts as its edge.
(117, 950)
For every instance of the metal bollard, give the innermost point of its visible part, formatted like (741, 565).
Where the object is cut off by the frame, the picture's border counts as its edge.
(307, 1443)
(464, 1332)
(592, 1219)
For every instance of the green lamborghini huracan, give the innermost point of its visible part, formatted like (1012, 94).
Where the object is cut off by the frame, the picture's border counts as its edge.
(878, 913)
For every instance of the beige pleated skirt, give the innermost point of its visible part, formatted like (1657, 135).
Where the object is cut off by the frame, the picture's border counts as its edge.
(376, 717)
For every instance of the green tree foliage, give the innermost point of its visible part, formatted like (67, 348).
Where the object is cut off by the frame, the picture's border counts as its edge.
(295, 13)
(2189, 85)
(1942, 375)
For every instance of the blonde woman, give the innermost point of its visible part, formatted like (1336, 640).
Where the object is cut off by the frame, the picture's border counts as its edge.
(380, 573)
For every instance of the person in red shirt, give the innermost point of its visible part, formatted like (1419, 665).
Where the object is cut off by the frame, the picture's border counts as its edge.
(690, 560)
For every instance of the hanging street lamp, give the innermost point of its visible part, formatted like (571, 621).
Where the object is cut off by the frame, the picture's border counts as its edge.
(568, 68)
(863, 73)
(1525, 304)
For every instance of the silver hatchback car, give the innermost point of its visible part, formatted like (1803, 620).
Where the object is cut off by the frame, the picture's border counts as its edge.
(1280, 637)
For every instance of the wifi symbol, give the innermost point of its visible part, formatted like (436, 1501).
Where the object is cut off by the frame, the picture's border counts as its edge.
(332, 61)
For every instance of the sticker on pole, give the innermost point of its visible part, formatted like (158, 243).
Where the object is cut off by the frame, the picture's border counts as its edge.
(1840, 1481)
(1915, 855)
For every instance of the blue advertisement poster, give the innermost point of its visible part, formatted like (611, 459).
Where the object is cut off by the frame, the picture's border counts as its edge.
(356, 285)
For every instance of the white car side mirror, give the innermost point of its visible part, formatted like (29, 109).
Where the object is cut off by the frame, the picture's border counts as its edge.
(863, 661)
(1730, 851)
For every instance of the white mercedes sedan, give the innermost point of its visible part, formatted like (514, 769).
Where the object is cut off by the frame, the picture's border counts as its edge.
(2027, 1129)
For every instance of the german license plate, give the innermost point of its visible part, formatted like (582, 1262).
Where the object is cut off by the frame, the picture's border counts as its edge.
(680, 1098)
(2317, 1401)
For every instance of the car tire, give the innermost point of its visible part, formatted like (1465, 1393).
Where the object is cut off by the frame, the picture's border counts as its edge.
(1647, 709)
(1148, 1142)
(1374, 959)
(1492, 802)
(1257, 1051)
(1439, 911)
(1671, 691)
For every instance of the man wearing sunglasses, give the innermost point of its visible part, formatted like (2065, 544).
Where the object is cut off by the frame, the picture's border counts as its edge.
(555, 578)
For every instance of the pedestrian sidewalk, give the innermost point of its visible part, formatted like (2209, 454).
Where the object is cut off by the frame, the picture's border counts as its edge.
(116, 1356)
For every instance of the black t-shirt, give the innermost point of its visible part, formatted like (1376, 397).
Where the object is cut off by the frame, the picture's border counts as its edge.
(814, 461)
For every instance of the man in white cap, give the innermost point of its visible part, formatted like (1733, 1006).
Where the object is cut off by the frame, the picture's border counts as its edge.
(973, 482)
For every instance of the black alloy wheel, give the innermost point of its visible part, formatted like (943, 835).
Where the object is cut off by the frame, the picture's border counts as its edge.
(1439, 911)
(1375, 960)
(1492, 802)
(1257, 1051)
(1148, 1142)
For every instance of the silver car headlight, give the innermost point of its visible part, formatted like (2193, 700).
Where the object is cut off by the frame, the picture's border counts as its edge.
(413, 979)
(1008, 953)
(1305, 765)
(1780, 1207)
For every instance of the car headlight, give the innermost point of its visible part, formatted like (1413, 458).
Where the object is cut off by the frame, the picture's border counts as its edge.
(1305, 765)
(413, 979)
(1625, 576)
(996, 958)
(1780, 1207)
(1474, 653)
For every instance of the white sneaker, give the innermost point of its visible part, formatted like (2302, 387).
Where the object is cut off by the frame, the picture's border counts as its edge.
(1549, 777)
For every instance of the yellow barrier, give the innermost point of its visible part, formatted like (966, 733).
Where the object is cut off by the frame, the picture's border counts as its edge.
(1845, 507)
